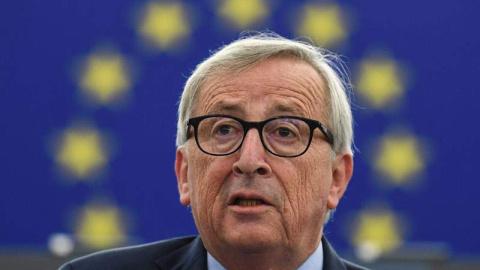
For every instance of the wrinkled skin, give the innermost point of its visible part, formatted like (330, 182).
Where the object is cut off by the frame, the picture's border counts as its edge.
(298, 191)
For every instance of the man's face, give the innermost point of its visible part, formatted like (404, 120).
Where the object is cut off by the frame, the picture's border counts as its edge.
(295, 192)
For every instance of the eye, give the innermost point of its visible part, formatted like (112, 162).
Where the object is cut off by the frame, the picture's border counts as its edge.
(285, 132)
(224, 130)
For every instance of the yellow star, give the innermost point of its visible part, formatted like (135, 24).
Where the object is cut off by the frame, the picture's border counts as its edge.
(323, 23)
(105, 77)
(379, 82)
(243, 13)
(81, 152)
(164, 24)
(399, 158)
(377, 231)
(100, 227)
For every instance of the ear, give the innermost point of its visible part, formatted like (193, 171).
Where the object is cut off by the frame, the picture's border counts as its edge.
(181, 170)
(342, 169)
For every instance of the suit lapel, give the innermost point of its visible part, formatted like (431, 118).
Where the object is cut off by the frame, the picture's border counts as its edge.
(194, 256)
(191, 256)
(331, 261)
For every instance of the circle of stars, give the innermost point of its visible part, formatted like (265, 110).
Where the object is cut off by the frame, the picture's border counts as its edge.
(106, 78)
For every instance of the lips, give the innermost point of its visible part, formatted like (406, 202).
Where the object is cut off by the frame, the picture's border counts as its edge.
(247, 202)
(247, 199)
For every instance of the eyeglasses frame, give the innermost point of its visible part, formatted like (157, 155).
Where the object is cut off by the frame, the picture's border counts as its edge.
(247, 125)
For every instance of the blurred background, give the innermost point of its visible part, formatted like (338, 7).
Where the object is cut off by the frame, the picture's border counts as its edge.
(88, 100)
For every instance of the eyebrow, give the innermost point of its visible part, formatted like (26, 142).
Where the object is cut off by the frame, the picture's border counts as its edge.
(230, 108)
(285, 108)
(225, 107)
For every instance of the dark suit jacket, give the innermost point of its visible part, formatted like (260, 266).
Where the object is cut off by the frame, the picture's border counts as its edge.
(175, 254)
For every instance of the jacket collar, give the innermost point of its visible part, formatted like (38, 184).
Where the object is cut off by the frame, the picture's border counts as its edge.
(330, 258)
(194, 256)
(191, 256)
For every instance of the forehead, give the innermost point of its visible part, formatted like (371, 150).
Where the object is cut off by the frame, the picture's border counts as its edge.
(272, 86)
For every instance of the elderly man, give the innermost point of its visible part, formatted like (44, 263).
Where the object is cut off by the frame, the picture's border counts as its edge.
(263, 156)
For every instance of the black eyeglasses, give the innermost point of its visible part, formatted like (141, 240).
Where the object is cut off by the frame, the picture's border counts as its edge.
(284, 136)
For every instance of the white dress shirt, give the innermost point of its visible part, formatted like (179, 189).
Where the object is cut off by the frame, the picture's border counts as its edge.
(315, 261)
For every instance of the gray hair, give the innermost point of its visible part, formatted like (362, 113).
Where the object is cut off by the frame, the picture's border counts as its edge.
(249, 50)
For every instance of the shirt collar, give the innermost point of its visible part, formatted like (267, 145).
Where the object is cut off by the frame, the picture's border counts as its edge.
(315, 261)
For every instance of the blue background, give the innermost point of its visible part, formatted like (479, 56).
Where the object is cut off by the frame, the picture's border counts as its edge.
(41, 41)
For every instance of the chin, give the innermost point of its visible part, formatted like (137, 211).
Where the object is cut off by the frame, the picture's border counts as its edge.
(252, 240)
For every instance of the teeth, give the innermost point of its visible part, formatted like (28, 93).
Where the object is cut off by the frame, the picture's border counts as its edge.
(248, 202)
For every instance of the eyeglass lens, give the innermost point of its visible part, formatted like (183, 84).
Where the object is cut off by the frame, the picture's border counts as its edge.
(283, 136)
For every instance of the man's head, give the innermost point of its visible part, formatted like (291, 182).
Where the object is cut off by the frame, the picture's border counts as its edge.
(256, 201)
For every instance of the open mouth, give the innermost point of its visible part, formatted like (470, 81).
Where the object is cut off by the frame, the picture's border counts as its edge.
(247, 202)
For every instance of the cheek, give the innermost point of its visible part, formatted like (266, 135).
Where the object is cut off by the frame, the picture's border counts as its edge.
(318, 169)
(307, 185)
(200, 178)
(317, 179)
(206, 176)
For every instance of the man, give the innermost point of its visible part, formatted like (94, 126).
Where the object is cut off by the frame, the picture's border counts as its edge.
(263, 156)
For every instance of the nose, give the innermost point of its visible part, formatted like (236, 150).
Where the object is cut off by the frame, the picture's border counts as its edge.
(252, 155)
